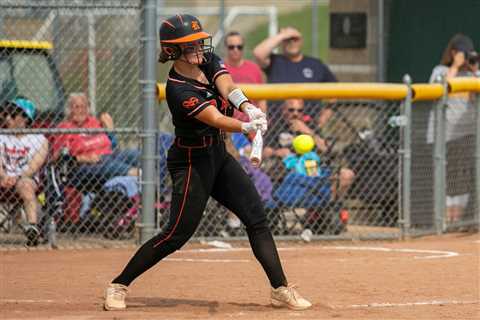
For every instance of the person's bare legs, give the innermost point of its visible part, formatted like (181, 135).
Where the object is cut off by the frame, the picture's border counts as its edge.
(26, 189)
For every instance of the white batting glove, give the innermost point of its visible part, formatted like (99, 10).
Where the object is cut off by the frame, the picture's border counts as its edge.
(254, 125)
(253, 112)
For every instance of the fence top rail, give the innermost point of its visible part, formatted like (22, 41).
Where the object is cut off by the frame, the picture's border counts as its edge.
(282, 91)
(463, 84)
(427, 91)
(348, 90)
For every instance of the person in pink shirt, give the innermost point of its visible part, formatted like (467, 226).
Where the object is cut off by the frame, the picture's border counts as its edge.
(96, 160)
(242, 70)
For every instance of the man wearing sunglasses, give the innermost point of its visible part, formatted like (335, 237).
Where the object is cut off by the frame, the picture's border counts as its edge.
(292, 65)
(278, 141)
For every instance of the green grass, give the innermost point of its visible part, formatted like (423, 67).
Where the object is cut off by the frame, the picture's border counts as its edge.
(302, 20)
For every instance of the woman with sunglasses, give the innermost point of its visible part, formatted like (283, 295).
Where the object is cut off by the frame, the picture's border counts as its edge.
(241, 70)
(201, 96)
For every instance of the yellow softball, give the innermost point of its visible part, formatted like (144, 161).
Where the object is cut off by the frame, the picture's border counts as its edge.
(303, 143)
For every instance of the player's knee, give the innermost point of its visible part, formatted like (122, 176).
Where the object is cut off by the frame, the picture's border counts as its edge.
(258, 227)
(171, 243)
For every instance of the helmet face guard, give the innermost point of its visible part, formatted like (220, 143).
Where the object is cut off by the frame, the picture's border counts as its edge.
(183, 34)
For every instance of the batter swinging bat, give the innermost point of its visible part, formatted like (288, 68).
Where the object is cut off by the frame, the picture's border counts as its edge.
(257, 149)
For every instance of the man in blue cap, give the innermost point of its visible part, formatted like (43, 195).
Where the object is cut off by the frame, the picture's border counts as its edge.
(21, 157)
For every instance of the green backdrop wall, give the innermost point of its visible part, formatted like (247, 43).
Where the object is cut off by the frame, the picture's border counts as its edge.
(419, 31)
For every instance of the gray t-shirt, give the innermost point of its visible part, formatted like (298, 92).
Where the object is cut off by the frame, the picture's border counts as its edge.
(460, 113)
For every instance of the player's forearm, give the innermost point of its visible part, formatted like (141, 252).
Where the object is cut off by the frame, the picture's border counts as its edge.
(227, 124)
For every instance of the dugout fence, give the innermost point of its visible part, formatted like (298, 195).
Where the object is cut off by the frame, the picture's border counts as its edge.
(380, 132)
(393, 141)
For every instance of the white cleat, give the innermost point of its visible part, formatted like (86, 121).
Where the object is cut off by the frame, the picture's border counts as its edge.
(115, 297)
(289, 297)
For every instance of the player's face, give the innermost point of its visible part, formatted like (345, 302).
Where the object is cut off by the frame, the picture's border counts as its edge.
(292, 47)
(234, 45)
(193, 52)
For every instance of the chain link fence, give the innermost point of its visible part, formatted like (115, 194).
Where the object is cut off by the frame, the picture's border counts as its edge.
(350, 186)
(79, 64)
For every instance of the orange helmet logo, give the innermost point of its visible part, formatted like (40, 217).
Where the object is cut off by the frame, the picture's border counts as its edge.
(195, 25)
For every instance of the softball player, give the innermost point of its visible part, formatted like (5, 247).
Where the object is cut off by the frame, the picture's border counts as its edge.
(198, 91)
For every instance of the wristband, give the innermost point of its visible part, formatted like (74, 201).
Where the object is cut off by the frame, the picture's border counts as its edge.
(236, 97)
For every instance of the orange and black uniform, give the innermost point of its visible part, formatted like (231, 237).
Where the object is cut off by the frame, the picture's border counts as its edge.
(200, 167)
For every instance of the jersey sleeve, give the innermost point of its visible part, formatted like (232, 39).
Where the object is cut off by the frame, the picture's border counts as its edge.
(214, 68)
(189, 103)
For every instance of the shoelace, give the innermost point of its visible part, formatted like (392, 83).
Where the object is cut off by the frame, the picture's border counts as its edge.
(292, 292)
(118, 292)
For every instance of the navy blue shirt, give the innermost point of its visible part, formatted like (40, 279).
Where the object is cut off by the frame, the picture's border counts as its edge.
(309, 69)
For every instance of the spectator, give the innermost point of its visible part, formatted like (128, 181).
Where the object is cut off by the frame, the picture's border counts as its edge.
(293, 122)
(460, 125)
(22, 156)
(96, 160)
(291, 65)
(278, 141)
(241, 69)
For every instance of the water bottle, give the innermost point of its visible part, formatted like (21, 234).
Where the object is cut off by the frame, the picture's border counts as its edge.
(52, 233)
(397, 121)
(64, 165)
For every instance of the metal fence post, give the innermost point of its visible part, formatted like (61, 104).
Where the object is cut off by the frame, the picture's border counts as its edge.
(439, 161)
(315, 29)
(149, 41)
(477, 162)
(92, 62)
(407, 159)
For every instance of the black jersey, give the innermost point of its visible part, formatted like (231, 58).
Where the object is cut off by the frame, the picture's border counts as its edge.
(187, 97)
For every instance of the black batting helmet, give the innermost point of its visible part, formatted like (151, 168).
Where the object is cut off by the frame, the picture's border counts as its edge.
(181, 28)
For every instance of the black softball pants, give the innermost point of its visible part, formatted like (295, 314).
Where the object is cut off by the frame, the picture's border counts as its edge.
(198, 173)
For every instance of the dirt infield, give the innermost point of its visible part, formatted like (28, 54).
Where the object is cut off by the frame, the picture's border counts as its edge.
(427, 278)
